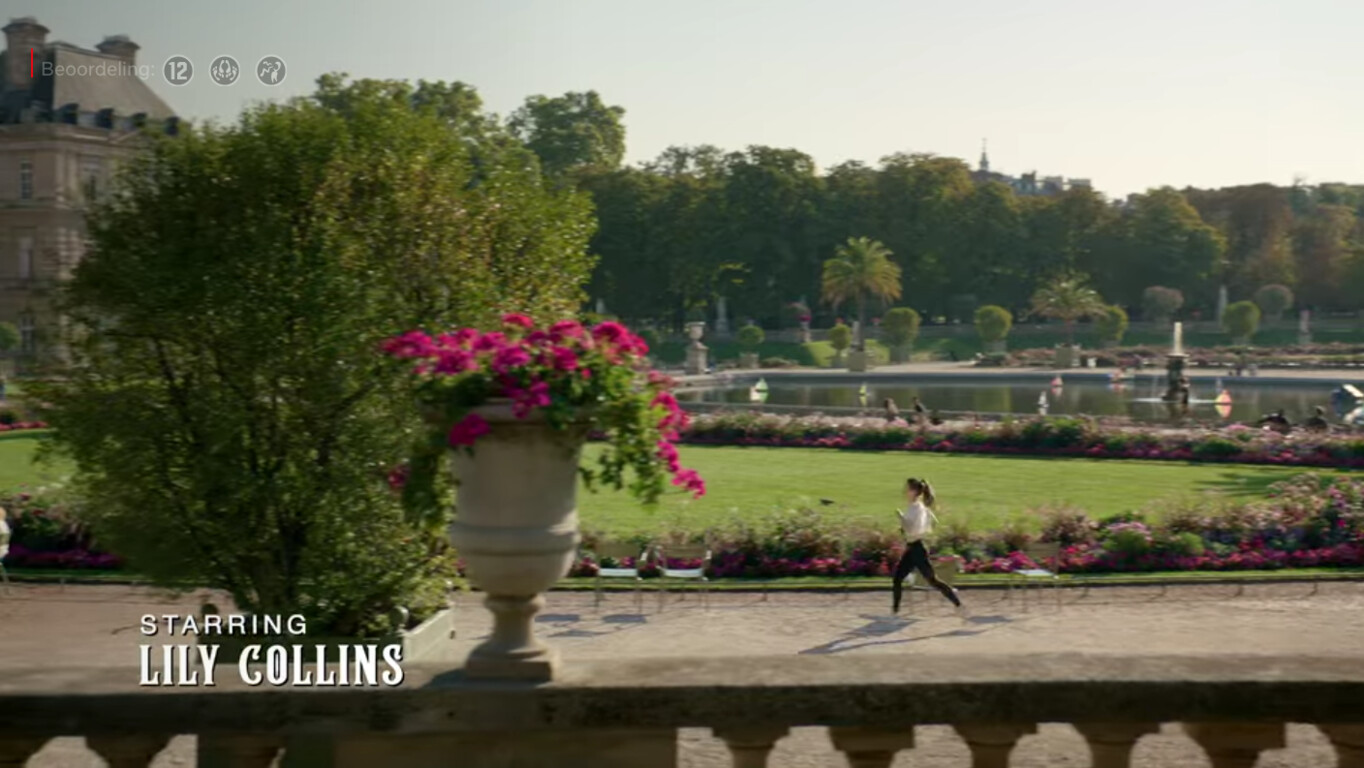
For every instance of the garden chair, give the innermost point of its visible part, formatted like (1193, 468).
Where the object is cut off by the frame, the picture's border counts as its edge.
(1045, 556)
(945, 567)
(666, 552)
(621, 551)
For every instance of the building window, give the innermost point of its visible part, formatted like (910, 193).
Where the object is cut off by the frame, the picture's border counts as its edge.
(25, 180)
(25, 257)
(28, 335)
(92, 171)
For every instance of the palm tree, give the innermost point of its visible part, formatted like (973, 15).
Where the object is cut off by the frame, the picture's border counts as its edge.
(861, 269)
(1068, 299)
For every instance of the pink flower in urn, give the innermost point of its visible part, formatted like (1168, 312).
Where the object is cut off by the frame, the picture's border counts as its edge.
(668, 452)
(410, 344)
(510, 357)
(517, 320)
(611, 332)
(564, 359)
(469, 429)
(536, 396)
(666, 400)
(490, 342)
(466, 337)
(692, 480)
(454, 361)
(566, 329)
(805, 318)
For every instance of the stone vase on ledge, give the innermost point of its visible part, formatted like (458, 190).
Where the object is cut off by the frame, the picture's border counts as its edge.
(516, 528)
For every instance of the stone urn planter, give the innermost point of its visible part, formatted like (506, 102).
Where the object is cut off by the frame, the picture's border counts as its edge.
(1067, 356)
(804, 331)
(748, 359)
(995, 347)
(516, 528)
(859, 360)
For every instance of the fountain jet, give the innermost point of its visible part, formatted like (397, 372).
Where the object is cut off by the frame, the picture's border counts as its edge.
(1176, 385)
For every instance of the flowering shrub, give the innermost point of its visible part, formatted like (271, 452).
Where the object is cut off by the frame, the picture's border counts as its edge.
(1130, 539)
(1068, 527)
(590, 379)
(1054, 436)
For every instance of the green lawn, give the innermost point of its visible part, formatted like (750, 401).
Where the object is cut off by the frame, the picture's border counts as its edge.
(865, 486)
(984, 490)
(16, 462)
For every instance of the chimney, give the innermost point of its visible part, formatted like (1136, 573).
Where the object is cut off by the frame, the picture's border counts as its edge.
(120, 46)
(21, 36)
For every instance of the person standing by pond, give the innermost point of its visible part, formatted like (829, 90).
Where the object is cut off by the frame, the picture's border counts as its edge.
(916, 522)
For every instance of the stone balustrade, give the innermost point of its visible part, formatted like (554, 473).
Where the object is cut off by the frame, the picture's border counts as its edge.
(627, 713)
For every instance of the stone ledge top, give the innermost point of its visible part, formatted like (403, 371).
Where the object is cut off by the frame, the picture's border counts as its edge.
(683, 692)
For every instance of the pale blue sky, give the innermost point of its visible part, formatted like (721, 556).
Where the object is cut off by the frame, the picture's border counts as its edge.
(1132, 95)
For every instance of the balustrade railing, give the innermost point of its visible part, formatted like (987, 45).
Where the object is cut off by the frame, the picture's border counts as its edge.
(627, 713)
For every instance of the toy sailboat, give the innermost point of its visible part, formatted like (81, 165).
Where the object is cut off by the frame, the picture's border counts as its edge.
(1042, 403)
(758, 392)
(1056, 383)
(1222, 404)
(862, 394)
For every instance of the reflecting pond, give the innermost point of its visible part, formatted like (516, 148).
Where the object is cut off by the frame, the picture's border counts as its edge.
(1139, 399)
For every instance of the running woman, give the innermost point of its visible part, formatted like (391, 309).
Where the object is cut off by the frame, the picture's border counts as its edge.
(917, 522)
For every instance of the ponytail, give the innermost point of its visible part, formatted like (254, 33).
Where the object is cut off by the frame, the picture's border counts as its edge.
(924, 489)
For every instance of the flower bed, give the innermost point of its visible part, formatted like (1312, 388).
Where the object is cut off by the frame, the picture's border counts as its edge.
(22, 425)
(1306, 522)
(46, 532)
(1055, 436)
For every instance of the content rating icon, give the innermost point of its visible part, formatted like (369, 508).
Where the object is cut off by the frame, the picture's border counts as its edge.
(179, 70)
(271, 70)
(224, 70)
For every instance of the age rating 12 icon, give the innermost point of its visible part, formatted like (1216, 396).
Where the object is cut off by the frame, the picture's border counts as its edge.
(179, 70)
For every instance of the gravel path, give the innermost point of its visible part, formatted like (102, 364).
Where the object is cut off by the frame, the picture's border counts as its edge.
(99, 627)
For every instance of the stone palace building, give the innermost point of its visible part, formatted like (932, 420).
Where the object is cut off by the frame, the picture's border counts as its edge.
(68, 115)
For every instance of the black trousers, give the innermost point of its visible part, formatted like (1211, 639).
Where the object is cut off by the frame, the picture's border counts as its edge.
(915, 558)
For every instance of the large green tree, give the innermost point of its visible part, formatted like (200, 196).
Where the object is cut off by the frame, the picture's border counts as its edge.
(576, 132)
(1159, 240)
(861, 272)
(231, 420)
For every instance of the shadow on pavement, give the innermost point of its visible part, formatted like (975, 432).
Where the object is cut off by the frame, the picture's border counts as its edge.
(883, 626)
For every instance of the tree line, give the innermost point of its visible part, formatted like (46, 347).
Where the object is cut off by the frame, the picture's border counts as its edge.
(755, 226)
